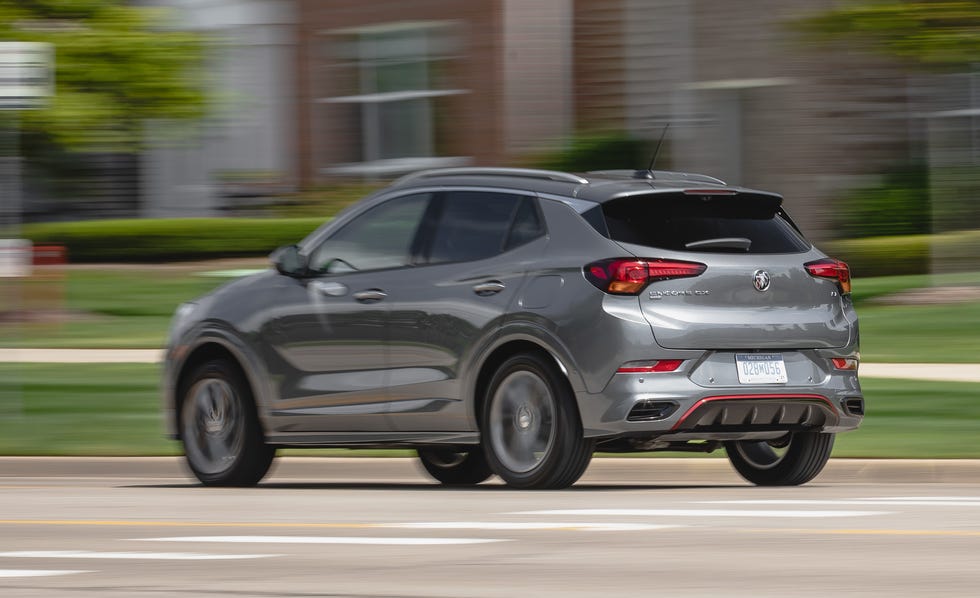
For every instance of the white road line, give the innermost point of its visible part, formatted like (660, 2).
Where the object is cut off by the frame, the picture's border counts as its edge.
(326, 540)
(701, 513)
(843, 502)
(148, 556)
(929, 498)
(517, 526)
(36, 572)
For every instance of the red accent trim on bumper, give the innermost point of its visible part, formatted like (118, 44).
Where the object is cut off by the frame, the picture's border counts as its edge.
(774, 397)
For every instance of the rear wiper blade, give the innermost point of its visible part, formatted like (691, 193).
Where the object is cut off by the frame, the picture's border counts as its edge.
(740, 243)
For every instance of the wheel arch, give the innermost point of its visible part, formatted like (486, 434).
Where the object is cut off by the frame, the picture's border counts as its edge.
(209, 348)
(506, 346)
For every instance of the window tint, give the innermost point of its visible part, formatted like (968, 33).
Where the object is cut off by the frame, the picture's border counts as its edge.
(526, 226)
(474, 225)
(719, 224)
(594, 217)
(380, 238)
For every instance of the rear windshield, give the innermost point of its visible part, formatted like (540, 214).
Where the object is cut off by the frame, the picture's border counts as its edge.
(742, 223)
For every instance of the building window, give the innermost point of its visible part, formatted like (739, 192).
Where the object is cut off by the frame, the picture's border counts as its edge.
(387, 91)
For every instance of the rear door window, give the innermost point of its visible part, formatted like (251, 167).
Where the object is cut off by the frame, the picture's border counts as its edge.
(743, 223)
(475, 225)
(526, 225)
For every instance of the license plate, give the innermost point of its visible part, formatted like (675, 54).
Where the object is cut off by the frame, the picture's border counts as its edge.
(760, 368)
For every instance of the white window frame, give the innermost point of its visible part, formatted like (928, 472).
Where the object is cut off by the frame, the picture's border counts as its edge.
(367, 59)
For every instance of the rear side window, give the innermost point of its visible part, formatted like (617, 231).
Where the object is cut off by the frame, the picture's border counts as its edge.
(526, 226)
(742, 223)
(475, 225)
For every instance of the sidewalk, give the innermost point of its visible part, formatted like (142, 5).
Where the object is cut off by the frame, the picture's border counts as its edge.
(952, 372)
(602, 470)
(81, 355)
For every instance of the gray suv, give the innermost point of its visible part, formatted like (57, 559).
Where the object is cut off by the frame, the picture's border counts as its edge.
(512, 322)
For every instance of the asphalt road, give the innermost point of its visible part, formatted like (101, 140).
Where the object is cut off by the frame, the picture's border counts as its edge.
(378, 528)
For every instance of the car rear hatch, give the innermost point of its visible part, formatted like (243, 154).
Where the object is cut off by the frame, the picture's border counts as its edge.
(755, 292)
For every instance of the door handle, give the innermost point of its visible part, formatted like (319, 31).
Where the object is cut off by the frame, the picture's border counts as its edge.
(370, 295)
(491, 287)
(332, 289)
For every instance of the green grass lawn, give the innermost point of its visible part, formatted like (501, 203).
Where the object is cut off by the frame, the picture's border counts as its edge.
(921, 333)
(124, 307)
(114, 409)
(867, 289)
(937, 333)
(916, 419)
(91, 409)
(130, 307)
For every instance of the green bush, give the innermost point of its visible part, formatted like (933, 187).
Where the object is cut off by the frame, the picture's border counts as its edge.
(898, 205)
(908, 254)
(146, 240)
(601, 151)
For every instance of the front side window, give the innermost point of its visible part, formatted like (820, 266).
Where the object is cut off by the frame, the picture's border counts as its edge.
(475, 225)
(383, 237)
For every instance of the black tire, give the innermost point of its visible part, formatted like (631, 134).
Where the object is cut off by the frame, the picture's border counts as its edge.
(455, 468)
(530, 426)
(802, 456)
(223, 440)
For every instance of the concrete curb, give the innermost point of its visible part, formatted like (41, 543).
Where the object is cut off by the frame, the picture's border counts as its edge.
(602, 470)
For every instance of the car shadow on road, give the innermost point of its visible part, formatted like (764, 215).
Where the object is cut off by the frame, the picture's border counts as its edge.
(426, 487)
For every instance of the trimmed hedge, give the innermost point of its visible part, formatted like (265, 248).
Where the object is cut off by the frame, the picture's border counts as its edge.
(908, 254)
(161, 240)
(145, 240)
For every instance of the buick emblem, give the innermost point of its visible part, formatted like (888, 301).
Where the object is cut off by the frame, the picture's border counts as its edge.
(761, 280)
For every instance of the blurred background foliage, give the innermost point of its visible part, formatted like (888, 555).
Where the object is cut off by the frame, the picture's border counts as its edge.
(116, 66)
(897, 205)
(601, 150)
(935, 34)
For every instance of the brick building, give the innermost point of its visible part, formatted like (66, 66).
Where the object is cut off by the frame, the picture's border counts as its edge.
(386, 87)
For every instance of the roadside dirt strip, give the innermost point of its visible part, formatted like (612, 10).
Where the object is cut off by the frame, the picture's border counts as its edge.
(952, 372)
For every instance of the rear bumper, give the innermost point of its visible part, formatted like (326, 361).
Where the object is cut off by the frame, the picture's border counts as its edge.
(703, 401)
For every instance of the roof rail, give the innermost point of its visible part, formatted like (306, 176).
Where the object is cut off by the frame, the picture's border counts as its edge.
(667, 175)
(688, 176)
(530, 173)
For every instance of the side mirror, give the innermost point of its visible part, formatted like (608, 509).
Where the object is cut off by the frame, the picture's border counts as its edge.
(289, 261)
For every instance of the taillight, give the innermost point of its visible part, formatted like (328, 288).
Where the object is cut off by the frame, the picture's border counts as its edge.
(831, 268)
(650, 367)
(630, 276)
(845, 363)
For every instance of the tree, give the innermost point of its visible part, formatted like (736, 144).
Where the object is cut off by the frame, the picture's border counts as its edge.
(115, 67)
(937, 35)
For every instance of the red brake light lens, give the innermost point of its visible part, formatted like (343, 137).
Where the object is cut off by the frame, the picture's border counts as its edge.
(630, 276)
(649, 367)
(831, 268)
(845, 363)
(710, 192)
